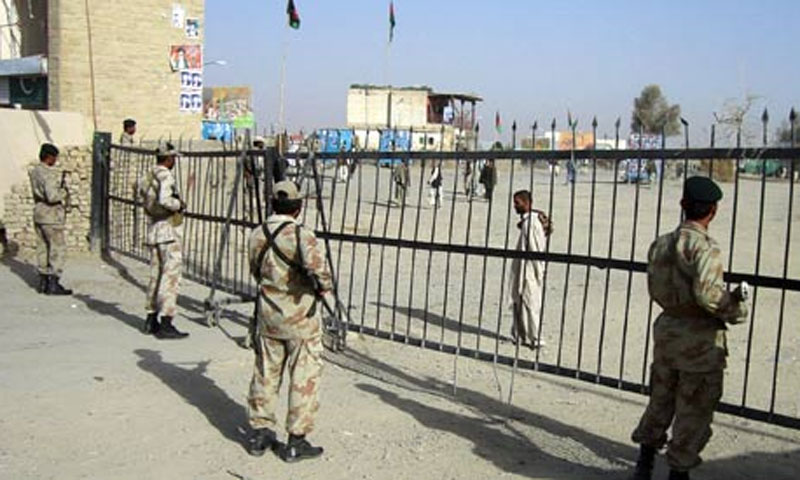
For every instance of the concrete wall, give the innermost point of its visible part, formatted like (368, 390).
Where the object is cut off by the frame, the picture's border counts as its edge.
(21, 134)
(133, 78)
(366, 107)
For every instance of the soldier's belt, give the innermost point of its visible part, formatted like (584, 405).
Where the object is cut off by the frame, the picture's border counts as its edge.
(691, 311)
(49, 204)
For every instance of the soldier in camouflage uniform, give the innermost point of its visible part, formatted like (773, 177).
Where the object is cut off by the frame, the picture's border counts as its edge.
(164, 207)
(290, 268)
(684, 276)
(128, 131)
(50, 197)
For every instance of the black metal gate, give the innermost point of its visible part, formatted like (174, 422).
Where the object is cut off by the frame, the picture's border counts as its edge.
(436, 276)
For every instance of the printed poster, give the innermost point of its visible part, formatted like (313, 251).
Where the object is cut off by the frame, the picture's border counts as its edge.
(192, 28)
(178, 15)
(185, 57)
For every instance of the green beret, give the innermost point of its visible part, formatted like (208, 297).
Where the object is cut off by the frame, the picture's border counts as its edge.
(701, 189)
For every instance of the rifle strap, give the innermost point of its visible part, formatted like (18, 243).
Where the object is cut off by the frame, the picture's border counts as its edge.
(269, 244)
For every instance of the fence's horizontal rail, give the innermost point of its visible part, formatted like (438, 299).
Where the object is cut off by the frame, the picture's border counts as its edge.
(666, 154)
(590, 261)
(599, 262)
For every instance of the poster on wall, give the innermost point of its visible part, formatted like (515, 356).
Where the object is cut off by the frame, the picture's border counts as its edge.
(228, 104)
(185, 57)
(190, 102)
(191, 80)
(192, 28)
(178, 15)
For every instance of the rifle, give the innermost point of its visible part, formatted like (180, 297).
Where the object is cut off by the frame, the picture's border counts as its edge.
(65, 186)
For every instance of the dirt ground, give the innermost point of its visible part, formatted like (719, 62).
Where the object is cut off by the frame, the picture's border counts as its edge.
(83, 394)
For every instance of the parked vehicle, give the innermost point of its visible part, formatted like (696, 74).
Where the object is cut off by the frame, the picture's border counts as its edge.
(633, 171)
(767, 167)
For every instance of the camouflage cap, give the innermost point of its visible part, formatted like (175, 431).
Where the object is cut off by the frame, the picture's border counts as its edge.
(701, 189)
(168, 151)
(287, 188)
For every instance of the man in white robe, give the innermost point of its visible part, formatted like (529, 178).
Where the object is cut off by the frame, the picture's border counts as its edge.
(527, 276)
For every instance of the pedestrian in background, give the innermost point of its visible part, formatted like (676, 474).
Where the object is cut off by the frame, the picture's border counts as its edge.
(402, 181)
(128, 131)
(488, 179)
(435, 185)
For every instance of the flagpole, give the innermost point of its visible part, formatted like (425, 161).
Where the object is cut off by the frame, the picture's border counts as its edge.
(281, 124)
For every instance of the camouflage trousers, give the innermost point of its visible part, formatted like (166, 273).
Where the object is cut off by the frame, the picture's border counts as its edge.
(687, 401)
(303, 359)
(165, 276)
(50, 248)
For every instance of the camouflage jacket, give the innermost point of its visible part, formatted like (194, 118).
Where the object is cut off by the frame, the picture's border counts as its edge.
(287, 302)
(684, 276)
(49, 195)
(162, 202)
(126, 139)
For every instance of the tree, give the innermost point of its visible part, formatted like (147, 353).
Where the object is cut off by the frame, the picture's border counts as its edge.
(734, 119)
(655, 113)
(785, 132)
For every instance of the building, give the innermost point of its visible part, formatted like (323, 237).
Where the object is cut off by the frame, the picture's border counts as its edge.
(107, 61)
(437, 120)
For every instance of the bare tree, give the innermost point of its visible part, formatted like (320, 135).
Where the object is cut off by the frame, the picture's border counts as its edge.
(733, 120)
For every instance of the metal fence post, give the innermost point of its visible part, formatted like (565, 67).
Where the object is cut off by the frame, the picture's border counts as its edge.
(100, 176)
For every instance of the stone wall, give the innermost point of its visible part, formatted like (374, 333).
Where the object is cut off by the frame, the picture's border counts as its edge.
(18, 215)
(132, 76)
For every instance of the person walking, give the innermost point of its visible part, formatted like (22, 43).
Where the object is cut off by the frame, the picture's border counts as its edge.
(163, 206)
(435, 183)
(685, 278)
(488, 179)
(527, 276)
(50, 204)
(289, 265)
(402, 182)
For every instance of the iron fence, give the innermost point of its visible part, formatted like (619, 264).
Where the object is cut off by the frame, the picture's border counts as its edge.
(435, 275)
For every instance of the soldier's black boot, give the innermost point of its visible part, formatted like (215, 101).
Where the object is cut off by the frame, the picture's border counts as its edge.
(54, 287)
(151, 324)
(676, 475)
(644, 465)
(167, 331)
(260, 441)
(44, 283)
(298, 448)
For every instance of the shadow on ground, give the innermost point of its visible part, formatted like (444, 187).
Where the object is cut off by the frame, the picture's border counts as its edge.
(25, 271)
(444, 322)
(221, 411)
(497, 444)
(505, 446)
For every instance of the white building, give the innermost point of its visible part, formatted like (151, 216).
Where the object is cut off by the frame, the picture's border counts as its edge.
(437, 120)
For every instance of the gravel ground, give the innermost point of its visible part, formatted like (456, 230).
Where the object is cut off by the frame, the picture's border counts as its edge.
(85, 395)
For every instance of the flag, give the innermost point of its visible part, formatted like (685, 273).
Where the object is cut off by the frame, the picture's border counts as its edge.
(497, 125)
(391, 21)
(294, 17)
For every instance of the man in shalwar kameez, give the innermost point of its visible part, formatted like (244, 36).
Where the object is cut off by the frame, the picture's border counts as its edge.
(527, 276)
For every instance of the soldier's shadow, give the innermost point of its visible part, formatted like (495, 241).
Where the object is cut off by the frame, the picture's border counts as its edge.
(198, 390)
(26, 272)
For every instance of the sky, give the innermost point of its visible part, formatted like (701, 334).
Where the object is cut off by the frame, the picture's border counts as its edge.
(530, 60)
